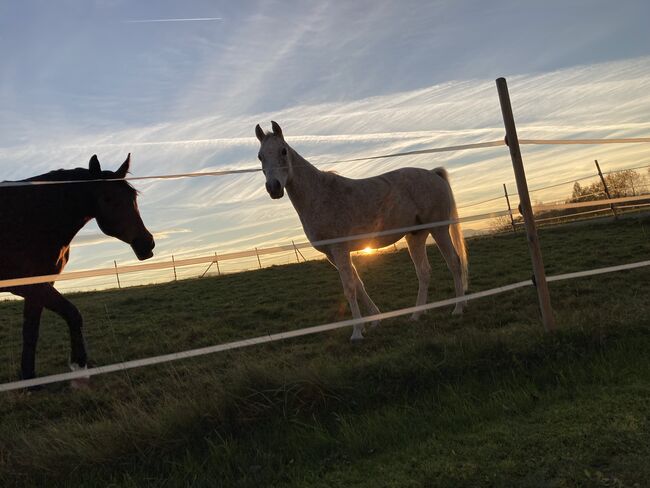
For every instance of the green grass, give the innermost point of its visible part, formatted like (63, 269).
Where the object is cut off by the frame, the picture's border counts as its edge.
(484, 400)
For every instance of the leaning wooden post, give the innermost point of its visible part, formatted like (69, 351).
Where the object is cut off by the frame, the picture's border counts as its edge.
(609, 197)
(512, 219)
(216, 261)
(524, 198)
(298, 252)
(117, 275)
(258, 258)
(174, 266)
(295, 249)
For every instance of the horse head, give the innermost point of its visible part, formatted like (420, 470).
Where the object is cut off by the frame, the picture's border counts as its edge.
(116, 208)
(276, 157)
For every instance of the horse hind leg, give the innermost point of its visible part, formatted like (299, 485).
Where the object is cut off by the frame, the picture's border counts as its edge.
(418, 252)
(31, 324)
(443, 240)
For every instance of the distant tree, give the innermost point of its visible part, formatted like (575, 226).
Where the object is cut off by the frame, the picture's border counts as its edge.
(625, 183)
(586, 193)
(501, 223)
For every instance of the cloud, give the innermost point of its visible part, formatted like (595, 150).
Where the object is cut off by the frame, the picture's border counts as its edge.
(153, 21)
(234, 213)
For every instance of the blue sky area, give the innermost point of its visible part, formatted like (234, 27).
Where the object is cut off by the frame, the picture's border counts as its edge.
(344, 79)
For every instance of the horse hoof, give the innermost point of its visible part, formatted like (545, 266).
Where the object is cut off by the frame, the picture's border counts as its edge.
(81, 383)
(415, 317)
(356, 339)
(457, 311)
(374, 325)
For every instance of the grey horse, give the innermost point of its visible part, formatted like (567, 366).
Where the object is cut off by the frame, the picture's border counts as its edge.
(331, 206)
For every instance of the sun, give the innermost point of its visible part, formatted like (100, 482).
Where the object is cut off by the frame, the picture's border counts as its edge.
(368, 250)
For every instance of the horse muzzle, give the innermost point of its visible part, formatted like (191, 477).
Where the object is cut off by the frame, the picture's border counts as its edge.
(274, 188)
(143, 247)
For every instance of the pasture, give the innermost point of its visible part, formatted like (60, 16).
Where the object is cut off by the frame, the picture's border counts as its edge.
(488, 399)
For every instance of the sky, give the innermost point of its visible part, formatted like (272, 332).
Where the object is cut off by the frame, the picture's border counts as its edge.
(343, 79)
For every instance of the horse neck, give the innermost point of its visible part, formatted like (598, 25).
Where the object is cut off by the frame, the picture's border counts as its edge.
(70, 206)
(305, 181)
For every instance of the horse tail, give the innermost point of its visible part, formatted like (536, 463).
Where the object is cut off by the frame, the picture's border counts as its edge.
(455, 231)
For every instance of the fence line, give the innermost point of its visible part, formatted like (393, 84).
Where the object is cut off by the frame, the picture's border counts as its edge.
(591, 203)
(176, 263)
(555, 185)
(235, 255)
(138, 363)
(461, 147)
(556, 217)
(554, 142)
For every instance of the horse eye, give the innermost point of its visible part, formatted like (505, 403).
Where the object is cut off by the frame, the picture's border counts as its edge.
(284, 151)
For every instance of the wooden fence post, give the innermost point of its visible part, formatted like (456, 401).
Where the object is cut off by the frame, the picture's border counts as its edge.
(214, 261)
(117, 275)
(174, 267)
(609, 197)
(524, 198)
(258, 258)
(295, 249)
(512, 219)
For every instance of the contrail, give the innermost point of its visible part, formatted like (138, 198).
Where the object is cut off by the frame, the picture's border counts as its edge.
(148, 21)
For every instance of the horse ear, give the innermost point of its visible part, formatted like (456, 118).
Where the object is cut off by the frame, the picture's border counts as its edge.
(259, 133)
(124, 169)
(93, 165)
(276, 129)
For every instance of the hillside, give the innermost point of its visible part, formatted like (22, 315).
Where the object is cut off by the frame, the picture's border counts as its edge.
(484, 400)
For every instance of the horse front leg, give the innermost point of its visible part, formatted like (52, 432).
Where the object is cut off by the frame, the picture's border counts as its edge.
(31, 322)
(54, 301)
(365, 298)
(341, 259)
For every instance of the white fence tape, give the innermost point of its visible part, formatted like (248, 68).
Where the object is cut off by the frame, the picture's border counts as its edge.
(73, 275)
(461, 147)
(165, 358)
(589, 203)
(178, 263)
(252, 170)
(169, 264)
(554, 142)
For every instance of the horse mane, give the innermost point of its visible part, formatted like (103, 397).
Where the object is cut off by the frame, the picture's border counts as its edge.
(62, 175)
(76, 174)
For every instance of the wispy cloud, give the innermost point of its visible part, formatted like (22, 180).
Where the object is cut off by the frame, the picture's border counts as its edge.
(151, 21)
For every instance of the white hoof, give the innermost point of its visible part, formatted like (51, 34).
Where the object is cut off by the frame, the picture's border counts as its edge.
(356, 338)
(79, 383)
(374, 325)
(415, 317)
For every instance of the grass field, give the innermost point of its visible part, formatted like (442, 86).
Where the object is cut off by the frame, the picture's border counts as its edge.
(488, 399)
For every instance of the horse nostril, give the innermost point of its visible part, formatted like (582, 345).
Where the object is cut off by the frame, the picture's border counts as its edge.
(273, 186)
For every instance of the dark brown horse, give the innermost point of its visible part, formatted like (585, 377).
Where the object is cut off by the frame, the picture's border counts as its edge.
(37, 223)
